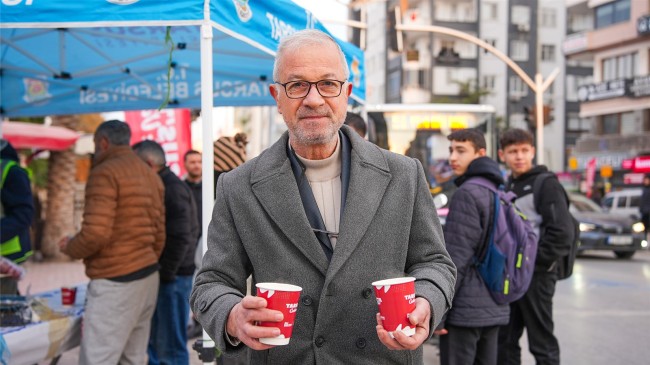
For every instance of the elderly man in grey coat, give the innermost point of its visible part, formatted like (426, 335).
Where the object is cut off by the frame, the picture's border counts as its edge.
(327, 211)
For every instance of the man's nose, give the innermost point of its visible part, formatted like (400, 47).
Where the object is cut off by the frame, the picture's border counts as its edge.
(313, 97)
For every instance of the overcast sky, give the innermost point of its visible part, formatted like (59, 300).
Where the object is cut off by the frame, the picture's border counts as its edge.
(328, 10)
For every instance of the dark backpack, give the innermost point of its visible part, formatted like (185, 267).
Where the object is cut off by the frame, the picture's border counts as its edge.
(507, 262)
(565, 263)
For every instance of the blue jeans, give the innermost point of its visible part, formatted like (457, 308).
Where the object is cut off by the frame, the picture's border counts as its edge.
(168, 340)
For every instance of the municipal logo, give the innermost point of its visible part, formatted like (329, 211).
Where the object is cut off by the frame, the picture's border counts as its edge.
(244, 11)
(35, 90)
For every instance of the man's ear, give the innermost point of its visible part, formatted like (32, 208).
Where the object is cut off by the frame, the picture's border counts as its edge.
(273, 89)
(501, 154)
(349, 89)
(482, 152)
(103, 141)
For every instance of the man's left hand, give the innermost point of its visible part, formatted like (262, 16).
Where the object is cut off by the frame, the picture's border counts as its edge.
(419, 318)
(63, 243)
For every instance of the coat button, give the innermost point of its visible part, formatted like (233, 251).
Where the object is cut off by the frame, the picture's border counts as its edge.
(320, 341)
(361, 342)
(203, 305)
(306, 300)
(367, 292)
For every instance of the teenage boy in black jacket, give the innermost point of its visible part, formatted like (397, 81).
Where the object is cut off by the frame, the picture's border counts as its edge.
(553, 224)
(470, 334)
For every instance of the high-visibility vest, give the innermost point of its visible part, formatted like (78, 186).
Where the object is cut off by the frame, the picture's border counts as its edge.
(12, 245)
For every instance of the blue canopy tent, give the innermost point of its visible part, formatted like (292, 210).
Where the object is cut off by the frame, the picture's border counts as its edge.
(62, 57)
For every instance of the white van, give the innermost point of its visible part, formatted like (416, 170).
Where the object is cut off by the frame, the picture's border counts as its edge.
(624, 202)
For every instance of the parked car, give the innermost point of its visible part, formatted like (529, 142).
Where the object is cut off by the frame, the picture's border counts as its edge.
(600, 230)
(625, 202)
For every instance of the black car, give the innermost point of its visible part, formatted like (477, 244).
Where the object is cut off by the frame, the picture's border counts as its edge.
(600, 230)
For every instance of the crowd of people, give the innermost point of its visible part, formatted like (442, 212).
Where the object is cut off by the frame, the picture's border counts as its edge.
(322, 208)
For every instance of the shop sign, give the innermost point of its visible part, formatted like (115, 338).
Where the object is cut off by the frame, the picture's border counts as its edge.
(640, 86)
(604, 90)
(639, 164)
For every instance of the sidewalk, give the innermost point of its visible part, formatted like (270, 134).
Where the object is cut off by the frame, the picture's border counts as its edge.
(44, 276)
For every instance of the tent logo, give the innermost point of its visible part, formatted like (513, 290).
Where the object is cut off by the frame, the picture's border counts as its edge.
(244, 11)
(35, 90)
(123, 2)
(356, 72)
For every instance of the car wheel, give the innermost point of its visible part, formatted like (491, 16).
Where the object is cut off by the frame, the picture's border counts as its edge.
(624, 254)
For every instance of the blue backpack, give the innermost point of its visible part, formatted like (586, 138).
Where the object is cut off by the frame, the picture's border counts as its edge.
(507, 262)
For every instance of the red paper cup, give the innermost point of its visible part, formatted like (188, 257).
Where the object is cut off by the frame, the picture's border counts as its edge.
(396, 300)
(68, 295)
(283, 298)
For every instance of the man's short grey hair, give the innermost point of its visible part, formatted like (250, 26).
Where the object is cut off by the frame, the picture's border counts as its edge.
(115, 131)
(302, 38)
(151, 152)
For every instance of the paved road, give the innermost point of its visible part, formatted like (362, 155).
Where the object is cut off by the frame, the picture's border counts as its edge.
(602, 313)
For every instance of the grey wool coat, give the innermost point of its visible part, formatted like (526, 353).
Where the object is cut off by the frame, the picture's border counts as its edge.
(389, 228)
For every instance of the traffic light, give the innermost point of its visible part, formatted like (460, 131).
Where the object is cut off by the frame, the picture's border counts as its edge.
(529, 116)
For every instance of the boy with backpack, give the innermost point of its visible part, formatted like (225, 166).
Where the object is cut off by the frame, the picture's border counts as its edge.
(469, 334)
(548, 211)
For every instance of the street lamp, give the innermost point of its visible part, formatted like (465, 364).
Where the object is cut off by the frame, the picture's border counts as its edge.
(538, 86)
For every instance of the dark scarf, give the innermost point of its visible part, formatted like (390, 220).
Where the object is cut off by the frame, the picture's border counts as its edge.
(307, 196)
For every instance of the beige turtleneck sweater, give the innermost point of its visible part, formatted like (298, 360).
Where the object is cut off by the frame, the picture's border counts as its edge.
(324, 177)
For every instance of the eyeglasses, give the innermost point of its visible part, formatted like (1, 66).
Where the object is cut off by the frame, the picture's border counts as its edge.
(300, 89)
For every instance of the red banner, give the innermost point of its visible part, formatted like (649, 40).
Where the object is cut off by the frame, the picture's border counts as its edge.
(639, 164)
(169, 127)
(591, 175)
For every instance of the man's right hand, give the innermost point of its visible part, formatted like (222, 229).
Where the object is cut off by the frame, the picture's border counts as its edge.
(243, 318)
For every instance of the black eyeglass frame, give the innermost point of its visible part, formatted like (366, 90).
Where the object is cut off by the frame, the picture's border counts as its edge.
(309, 89)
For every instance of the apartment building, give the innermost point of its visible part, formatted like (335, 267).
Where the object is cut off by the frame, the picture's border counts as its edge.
(615, 101)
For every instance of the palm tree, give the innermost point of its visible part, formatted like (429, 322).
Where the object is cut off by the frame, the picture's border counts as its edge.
(60, 193)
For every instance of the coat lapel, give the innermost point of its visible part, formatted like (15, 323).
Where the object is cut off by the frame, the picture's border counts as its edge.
(275, 187)
(369, 178)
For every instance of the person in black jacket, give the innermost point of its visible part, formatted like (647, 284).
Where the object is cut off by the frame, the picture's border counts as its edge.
(168, 339)
(470, 334)
(644, 207)
(553, 225)
(17, 213)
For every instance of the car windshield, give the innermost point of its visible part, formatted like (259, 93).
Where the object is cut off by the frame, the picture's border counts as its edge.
(583, 204)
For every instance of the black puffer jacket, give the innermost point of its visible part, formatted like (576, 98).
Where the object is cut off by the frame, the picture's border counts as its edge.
(182, 228)
(466, 231)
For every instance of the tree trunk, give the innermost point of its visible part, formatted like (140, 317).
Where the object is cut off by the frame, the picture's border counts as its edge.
(59, 220)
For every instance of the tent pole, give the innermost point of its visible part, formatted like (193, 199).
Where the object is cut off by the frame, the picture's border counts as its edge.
(207, 99)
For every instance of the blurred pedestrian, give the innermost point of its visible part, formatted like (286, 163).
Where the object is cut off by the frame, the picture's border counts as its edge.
(121, 239)
(229, 152)
(644, 207)
(16, 211)
(472, 324)
(168, 341)
(554, 227)
(356, 122)
(193, 166)
(319, 209)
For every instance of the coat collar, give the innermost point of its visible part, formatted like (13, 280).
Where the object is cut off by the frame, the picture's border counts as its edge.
(274, 185)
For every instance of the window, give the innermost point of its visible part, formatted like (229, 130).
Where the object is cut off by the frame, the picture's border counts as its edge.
(517, 87)
(577, 124)
(519, 50)
(610, 124)
(490, 41)
(628, 124)
(548, 52)
(547, 18)
(612, 13)
(490, 11)
(580, 22)
(488, 81)
(621, 202)
(620, 67)
(517, 121)
(607, 202)
(520, 15)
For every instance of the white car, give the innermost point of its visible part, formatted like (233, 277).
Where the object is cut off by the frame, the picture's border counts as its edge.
(623, 202)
